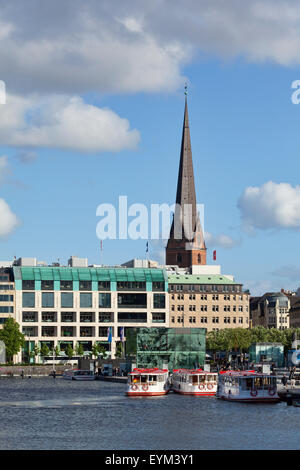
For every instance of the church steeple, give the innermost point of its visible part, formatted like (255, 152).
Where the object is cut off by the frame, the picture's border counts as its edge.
(186, 246)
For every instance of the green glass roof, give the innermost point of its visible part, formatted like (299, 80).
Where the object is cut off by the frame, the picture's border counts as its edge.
(199, 279)
(88, 274)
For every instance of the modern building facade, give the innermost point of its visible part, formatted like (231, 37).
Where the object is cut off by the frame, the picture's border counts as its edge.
(65, 305)
(7, 295)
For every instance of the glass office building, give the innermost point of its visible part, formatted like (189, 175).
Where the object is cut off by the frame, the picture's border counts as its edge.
(167, 347)
(267, 352)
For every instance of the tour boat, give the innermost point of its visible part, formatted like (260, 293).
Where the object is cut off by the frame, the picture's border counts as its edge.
(194, 382)
(247, 386)
(148, 382)
(78, 374)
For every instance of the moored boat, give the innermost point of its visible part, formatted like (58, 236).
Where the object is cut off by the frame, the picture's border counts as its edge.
(148, 382)
(247, 386)
(194, 382)
(78, 374)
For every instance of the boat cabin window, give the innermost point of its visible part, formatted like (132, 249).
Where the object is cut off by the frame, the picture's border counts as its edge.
(152, 378)
(135, 379)
(193, 379)
(144, 379)
(201, 378)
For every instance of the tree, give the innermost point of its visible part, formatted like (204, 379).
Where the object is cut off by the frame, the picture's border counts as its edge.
(79, 349)
(102, 351)
(119, 350)
(12, 337)
(57, 350)
(35, 352)
(44, 351)
(95, 350)
(69, 351)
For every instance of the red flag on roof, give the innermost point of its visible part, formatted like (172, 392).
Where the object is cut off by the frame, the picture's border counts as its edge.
(214, 255)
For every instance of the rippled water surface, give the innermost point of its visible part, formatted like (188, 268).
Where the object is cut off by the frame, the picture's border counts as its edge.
(43, 413)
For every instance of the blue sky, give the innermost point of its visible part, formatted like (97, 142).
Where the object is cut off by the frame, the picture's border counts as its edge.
(244, 130)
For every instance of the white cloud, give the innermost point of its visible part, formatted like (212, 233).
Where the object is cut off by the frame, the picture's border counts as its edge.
(64, 122)
(222, 240)
(259, 287)
(272, 205)
(8, 220)
(141, 46)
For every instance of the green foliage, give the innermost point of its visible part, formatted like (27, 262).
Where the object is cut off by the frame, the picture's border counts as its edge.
(69, 351)
(13, 339)
(44, 351)
(119, 350)
(35, 352)
(240, 339)
(57, 350)
(102, 351)
(79, 349)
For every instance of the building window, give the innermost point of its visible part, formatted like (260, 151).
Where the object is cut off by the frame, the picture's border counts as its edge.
(104, 300)
(27, 285)
(6, 298)
(103, 332)
(203, 297)
(66, 285)
(203, 319)
(106, 317)
(203, 308)
(127, 317)
(48, 299)
(131, 285)
(159, 301)
(86, 331)
(158, 286)
(86, 300)
(158, 317)
(85, 285)
(226, 319)
(28, 299)
(68, 317)
(47, 285)
(103, 285)
(87, 317)
(29, 317)
(66, 300)
(9, 309)
(179, 258)
(132, 300)
(49, 317)
(240, 319)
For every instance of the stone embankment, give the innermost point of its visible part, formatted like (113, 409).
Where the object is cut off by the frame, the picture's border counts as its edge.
(31, 371)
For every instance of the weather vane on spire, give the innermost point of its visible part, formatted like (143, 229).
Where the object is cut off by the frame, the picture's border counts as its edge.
(185, 89)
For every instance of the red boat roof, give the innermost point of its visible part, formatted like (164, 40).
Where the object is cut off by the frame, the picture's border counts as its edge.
(193, 371)
(240, 373)
(149, 371)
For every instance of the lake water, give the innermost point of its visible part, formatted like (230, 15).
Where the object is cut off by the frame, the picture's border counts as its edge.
(48, 414)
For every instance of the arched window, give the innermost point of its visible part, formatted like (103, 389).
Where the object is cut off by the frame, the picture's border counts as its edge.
(199, 258)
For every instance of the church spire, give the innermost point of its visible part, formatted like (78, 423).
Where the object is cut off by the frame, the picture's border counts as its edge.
(186, 246)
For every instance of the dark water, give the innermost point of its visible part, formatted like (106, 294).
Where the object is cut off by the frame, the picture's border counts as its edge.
(59, 414)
